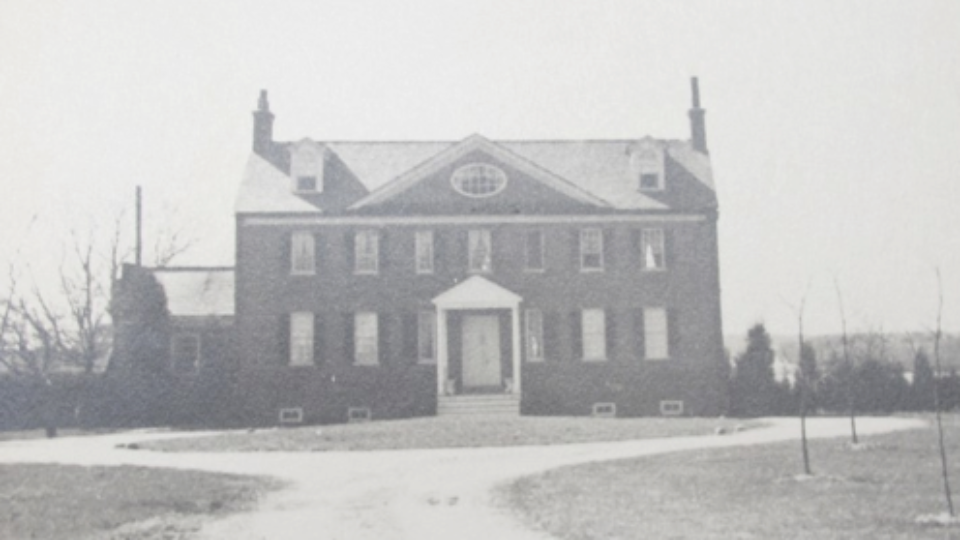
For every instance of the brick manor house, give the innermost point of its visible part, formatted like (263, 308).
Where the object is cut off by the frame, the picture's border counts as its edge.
(396, 279)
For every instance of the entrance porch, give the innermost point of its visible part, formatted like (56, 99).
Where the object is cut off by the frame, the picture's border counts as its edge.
(478, 345)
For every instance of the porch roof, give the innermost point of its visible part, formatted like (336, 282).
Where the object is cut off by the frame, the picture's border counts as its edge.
(477, 292)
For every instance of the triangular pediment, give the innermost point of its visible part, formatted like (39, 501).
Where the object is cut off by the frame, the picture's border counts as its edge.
(477, 292)
(491, 152)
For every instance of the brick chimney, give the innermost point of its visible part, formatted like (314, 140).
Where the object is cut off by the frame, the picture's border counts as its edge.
(262, 126)
(698, 128)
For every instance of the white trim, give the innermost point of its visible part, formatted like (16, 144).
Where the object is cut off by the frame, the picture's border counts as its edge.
(599, 252)
(424, 240)
(290, 415)
(604, 410)
(599, 316)
(421, 221)
(671, 407)
(310, 242)
(531, 330)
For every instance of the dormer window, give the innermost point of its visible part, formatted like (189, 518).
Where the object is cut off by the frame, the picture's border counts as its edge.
(307, 160)
(646, 160)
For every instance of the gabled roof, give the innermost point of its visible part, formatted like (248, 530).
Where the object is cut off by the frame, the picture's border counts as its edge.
(598, 171)
(476, 292)
(198, 292)
(471, 144)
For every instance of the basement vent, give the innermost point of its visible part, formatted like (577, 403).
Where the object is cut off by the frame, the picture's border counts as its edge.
(293, 415)
(671, 407)
(605, 410)
(358, 414)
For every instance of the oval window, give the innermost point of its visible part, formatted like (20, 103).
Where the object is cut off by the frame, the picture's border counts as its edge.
(479, 180)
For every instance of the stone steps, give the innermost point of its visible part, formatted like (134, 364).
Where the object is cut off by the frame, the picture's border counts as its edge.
(478, 404)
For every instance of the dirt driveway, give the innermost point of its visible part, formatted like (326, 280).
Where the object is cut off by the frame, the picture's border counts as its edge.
(409, 494)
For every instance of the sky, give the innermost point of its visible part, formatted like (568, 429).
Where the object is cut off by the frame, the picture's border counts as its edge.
(834, 127)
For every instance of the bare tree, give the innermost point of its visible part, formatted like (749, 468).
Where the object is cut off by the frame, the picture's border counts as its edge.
(937, 336)
(851, 390)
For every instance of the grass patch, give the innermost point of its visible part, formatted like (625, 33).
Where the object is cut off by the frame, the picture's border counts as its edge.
(447, 432)
(874, 491)
(131, 503)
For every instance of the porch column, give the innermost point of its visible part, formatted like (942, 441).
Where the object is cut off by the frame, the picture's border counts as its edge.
(441, 351)
(516, 349)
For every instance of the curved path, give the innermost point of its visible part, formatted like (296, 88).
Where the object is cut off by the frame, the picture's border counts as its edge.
(404, 494)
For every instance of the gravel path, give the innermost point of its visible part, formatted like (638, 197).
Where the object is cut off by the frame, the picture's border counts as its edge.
(407, 494)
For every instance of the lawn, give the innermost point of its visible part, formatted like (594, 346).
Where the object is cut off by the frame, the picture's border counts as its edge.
(874, 491)
(131, 503)
(447, 432)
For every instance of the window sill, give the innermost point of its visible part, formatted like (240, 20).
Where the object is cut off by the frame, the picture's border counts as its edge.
(662, 359)
(658, 270)
(303, 274)
(366, 273)
(534, 270)
(593, 360)
(425, 272)
(591, 270)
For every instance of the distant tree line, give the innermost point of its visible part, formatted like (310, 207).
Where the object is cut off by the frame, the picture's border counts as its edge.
(877, 382)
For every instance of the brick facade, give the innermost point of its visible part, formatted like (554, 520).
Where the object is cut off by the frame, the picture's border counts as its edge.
(536, 197)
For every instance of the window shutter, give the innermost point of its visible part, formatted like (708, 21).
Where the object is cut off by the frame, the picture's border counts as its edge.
(383, 254)
(463, 250)
(439, 252)
(667, 248)
(673, 334)
(348, 331)
(551, 349)
(383, 330)
(286, 262)
(636, 249)
(348, 242)
(318, 338)
(575, 248)
(608, 248)
(410, 329)
(610, 333)
(576, 334)
(638, 329)
(317, 252)
(284, 339)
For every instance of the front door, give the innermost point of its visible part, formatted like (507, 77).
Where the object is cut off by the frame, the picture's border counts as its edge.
(481, 351)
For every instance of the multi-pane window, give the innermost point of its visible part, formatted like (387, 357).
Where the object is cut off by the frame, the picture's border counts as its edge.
(426, 337)
(185, 352)
(301, 338)
(594, 327)
(424, 252)
(302, 256)
(655, 338)
(591, 249)
(366, 339)
(534, 333)
(533, 251)
(479, 180)
(651, 249)
(480, 253)
(367, 252)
